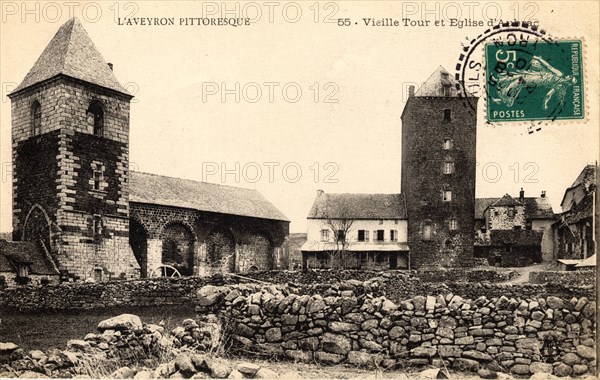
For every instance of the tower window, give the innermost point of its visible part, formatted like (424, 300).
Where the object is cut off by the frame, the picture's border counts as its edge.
(324, 235)
(97, 225)
(36, 113)
(453, 224)
(96, 118)
(426, 231)
(341, 235)
(447, 144)
(394, 235)
(447, 195)
(380, 234)
(97, 179)
(448, 167)
(447, 114)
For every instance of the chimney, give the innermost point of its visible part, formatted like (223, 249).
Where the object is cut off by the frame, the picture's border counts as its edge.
(543, 194)
(411, 91)
(522, 195)
(319, 193)
(110, 65)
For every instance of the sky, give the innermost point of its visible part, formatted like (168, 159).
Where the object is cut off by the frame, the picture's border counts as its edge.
(288, 105)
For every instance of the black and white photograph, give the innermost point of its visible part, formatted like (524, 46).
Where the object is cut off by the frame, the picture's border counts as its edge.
(299, 189)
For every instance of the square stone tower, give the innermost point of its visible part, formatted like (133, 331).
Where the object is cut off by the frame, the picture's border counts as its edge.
(70, 147)
(438, 172)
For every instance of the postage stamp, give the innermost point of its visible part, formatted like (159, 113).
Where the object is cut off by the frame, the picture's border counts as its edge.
(537, 81)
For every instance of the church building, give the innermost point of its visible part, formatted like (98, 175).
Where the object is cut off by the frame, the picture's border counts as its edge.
(75, 197)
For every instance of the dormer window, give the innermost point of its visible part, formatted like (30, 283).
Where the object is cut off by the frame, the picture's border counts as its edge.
(448, 167)
(447, 144)
(36, 115)
(96, 118)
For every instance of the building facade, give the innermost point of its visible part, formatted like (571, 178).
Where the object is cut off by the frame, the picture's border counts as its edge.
(574, 229)
(72, 185)
(358, 231)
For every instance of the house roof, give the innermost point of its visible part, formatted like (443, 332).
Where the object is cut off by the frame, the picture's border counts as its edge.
(507, 201)
(586, 178)
(25, 252)
(71, 52)
(535, 207)
(435, 84)
(202, 196)
(589, 262)
(358, 206)
(582, 210)
(515, 237)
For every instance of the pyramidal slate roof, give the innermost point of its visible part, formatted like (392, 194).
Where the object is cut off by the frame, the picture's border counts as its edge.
(202, 196)
(71, 52)
(358, 206)
(440, 83)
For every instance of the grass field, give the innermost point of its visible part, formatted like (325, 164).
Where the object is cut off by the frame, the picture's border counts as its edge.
(53, 329)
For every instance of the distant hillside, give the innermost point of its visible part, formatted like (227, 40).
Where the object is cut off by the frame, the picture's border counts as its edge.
(295, 243)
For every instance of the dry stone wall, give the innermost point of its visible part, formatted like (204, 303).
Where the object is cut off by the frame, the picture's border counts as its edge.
(348, 324)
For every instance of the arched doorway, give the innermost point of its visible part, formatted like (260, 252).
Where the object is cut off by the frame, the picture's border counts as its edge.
(220, 250)
(37, 227)
(138, 240)
(178, 247)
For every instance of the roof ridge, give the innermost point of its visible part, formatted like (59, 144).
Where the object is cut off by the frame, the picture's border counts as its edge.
(194, 180)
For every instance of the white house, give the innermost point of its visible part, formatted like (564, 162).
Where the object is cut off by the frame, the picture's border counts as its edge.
(362, 231)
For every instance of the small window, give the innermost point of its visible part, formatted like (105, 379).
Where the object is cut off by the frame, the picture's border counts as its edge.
(453, 224)
(448, 167)
(98, 274)
(96, 118)
(380, 235)
(511, 212)
(427, 231)
(97, 224)
(361, 235)
(97, 179)
(380, 221)
(447, 115)
(36, 114)
(447, 196)
(447, 144)
(324, 235)
(394, 235)
(341, 235)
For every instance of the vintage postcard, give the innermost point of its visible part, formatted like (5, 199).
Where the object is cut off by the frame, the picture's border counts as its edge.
(299, 189)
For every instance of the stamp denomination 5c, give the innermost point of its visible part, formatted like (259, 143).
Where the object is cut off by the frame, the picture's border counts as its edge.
(541, 80)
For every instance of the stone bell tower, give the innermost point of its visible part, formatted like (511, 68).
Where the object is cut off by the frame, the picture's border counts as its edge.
(438, 172)
(70, 150)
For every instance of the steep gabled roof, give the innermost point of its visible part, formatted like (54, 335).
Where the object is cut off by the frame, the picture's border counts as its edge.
(507, 201)
(436, 84)
(29, 253)
(358, 206)
(535, 207)
(202, 196)
(71, 52)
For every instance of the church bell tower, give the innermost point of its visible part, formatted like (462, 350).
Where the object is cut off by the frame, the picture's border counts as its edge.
(70, 151)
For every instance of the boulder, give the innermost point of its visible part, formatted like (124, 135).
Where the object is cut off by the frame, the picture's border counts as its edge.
(273, 334)
(423, 351)
(210, 295)
(235, 374)
(539, 367)
(563, 370)
(218, 369)
(184, 364)
(265, 373)
(121, 322)
(247, 368)
(362, 359)
(586, 352)
(520, 369)
(123, 373)
(78, 345)
(336, 344)
(487, 374)
(477, 355)
(328, 358)
(570, 358)
(463, 364)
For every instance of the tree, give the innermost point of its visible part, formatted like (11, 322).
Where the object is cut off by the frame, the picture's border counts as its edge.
(340, 220)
